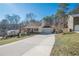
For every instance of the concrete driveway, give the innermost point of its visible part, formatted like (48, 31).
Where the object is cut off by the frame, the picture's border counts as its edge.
(38, 45)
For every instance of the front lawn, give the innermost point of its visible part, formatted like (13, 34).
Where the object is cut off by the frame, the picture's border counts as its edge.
(13, 39)
(66, 45)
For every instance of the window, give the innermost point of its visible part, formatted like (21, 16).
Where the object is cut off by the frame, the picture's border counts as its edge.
(36, 29)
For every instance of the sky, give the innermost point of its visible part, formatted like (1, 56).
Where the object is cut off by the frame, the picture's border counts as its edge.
(39, 9)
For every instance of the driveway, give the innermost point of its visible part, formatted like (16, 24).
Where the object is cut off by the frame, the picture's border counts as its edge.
(38, 45)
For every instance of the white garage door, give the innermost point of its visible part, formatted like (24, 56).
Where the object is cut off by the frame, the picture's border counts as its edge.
(46, 30)
(76, 28)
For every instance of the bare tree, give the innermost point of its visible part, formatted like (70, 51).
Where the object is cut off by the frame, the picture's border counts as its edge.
(4, 27)
(30, 16)
(13, 20)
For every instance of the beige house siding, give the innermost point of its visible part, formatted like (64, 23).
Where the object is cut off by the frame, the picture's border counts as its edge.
(70, 22)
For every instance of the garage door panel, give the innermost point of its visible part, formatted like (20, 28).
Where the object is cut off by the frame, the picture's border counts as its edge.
(46, 30)
(76, 28)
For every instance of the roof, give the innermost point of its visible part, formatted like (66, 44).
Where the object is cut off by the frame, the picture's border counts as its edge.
(75, 15)
(33, 25)
(46, 26)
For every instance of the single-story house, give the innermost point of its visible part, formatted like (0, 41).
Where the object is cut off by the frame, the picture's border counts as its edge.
(73, 22)
(35, 27)
(32, 27)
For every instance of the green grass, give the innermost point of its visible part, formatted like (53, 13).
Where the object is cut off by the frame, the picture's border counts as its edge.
(66, 45)
(13, 39)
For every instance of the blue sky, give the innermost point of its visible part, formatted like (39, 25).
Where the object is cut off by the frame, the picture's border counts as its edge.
(39, 9)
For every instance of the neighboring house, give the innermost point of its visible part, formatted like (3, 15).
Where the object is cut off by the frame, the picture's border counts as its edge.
(73, 22)
(12, 32)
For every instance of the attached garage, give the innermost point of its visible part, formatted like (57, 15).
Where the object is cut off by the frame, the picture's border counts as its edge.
(73, 22)
(46, 30)
(76, 28)
(76, 23)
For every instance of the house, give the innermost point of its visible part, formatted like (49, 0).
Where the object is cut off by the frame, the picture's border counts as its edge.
(36, 27)
(12, 32)
(32, 27)
(73, 22)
